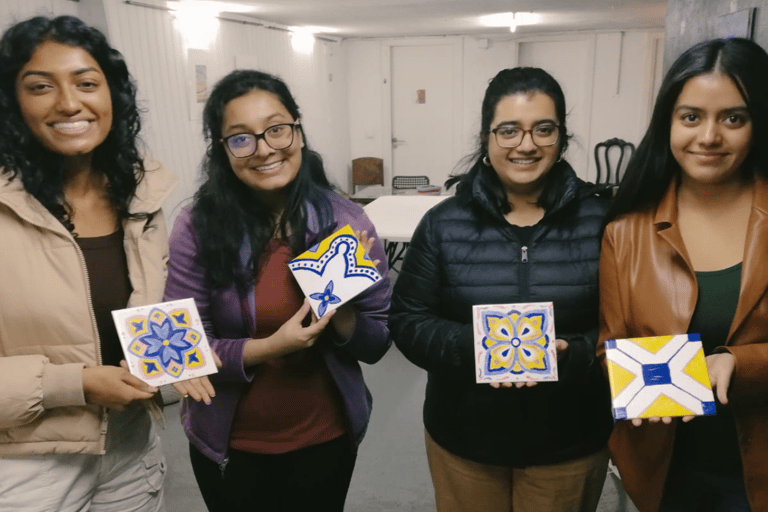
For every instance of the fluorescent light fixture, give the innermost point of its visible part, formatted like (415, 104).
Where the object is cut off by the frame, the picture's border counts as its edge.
(315, 30)
(510, 19)
(302, 41)
(211, 5)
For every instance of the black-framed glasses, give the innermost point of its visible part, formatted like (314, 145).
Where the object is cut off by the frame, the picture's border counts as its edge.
(278, 136)
(511, 136)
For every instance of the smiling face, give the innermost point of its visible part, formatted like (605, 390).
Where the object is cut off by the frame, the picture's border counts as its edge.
(64, 99)
(268, 170)
(711, 131)
(522, 169)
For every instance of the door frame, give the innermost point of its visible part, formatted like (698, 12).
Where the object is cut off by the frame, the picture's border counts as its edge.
(591, 39)
(386, 95)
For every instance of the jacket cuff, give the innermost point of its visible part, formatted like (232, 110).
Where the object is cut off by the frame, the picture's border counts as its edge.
(63, 385)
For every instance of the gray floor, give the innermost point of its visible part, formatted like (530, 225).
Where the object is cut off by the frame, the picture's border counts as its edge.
(391, 472)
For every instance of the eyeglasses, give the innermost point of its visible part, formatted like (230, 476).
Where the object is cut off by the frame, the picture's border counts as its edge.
(243, 145)
(510, 136)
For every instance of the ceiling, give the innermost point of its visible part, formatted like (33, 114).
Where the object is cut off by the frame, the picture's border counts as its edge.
(393, 18)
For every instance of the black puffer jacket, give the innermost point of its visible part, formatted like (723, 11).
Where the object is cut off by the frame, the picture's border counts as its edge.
(465, 253)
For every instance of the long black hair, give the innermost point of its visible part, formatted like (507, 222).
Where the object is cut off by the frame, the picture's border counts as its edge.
(652, 168)
(226, 210)
(523, 80)
(41, 170)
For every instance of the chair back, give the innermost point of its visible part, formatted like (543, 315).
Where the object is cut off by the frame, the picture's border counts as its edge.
(367, 170)
(408, 182)
(603, 155)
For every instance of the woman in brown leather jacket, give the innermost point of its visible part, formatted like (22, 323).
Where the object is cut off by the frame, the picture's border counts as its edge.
(687, 252)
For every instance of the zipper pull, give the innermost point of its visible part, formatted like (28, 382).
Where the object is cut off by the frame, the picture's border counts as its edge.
(525, 254)
(223, 466)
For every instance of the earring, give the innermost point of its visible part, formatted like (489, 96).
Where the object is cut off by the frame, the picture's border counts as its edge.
(486, 161)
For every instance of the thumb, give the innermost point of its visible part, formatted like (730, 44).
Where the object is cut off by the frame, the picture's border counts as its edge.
(722, 390)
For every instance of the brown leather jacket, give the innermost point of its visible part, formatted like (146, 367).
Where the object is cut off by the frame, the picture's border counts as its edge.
(648, 288)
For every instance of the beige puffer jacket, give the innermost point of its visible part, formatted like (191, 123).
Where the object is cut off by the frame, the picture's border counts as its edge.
(47, 326)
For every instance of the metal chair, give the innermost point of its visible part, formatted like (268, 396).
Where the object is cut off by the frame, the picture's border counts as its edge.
(408, 182)
(367, 170)
(625, 149)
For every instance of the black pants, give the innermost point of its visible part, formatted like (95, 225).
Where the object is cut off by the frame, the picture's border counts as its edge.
(313, 478)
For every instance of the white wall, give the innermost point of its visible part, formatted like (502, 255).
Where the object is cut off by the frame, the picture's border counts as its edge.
(13, 11)
(162, 66)
(619, 105)
(339, 87)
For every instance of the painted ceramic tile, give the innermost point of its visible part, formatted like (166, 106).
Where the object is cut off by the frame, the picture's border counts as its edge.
(515, 342)
(658, 376)
(164, 343)
(334, 271)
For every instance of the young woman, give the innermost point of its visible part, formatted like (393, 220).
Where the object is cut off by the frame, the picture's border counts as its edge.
(686, 252)
(290, 404)
(521, 228)
(82, 234)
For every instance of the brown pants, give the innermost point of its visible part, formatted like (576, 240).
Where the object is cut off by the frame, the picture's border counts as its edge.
(465, 486)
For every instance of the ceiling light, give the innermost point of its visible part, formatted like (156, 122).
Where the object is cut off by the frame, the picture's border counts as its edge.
(197, 22)
(302, 41)
(510, 19)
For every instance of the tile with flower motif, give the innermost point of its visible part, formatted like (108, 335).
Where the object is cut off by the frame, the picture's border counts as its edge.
(334, 271)
(515, 342)
(164, 343)
(658, 376)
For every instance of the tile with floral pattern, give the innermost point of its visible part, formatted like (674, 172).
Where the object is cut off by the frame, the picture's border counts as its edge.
(164, 343)
(515, 342)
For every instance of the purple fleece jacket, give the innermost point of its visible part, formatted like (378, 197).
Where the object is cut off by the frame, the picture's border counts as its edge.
(208, 426)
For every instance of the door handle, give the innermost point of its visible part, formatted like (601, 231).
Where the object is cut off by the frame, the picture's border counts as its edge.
(397, 142)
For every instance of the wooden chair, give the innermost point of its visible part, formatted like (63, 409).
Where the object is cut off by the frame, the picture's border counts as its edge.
(603, 155)
(367, 170)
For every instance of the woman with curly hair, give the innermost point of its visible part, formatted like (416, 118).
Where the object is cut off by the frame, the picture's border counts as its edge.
(83, 234)
(291, 406)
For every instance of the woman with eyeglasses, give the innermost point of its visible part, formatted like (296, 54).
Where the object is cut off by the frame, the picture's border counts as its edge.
(521, 228)
(290, 404)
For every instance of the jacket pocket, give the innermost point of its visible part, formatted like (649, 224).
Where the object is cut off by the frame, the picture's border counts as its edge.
(154, 466)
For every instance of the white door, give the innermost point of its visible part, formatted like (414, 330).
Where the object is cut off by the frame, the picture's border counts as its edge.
(423, 111)
(571, 64)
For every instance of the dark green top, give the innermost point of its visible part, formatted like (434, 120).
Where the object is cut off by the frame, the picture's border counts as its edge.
(710, 443)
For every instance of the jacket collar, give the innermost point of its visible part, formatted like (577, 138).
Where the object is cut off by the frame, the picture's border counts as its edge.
(570, 184)
(152, 190)
(754, 271)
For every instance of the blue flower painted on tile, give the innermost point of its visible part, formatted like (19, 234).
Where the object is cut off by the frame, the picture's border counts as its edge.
(165, 343)
(326, 297)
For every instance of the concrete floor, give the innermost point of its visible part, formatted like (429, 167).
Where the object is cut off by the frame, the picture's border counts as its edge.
(391, 473)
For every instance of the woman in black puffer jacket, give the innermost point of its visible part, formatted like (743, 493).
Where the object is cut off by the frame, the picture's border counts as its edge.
(521, 228)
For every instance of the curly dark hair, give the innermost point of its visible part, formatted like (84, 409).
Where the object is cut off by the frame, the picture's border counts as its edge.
(41, 170)
(522, 80)
(226, 212)
(652, 167)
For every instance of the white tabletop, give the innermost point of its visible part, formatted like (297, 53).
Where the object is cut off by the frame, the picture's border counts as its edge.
(396, 217)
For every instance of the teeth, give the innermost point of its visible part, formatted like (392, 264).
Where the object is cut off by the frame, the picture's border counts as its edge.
(71, 126)
(269, 167)
(521, 161)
